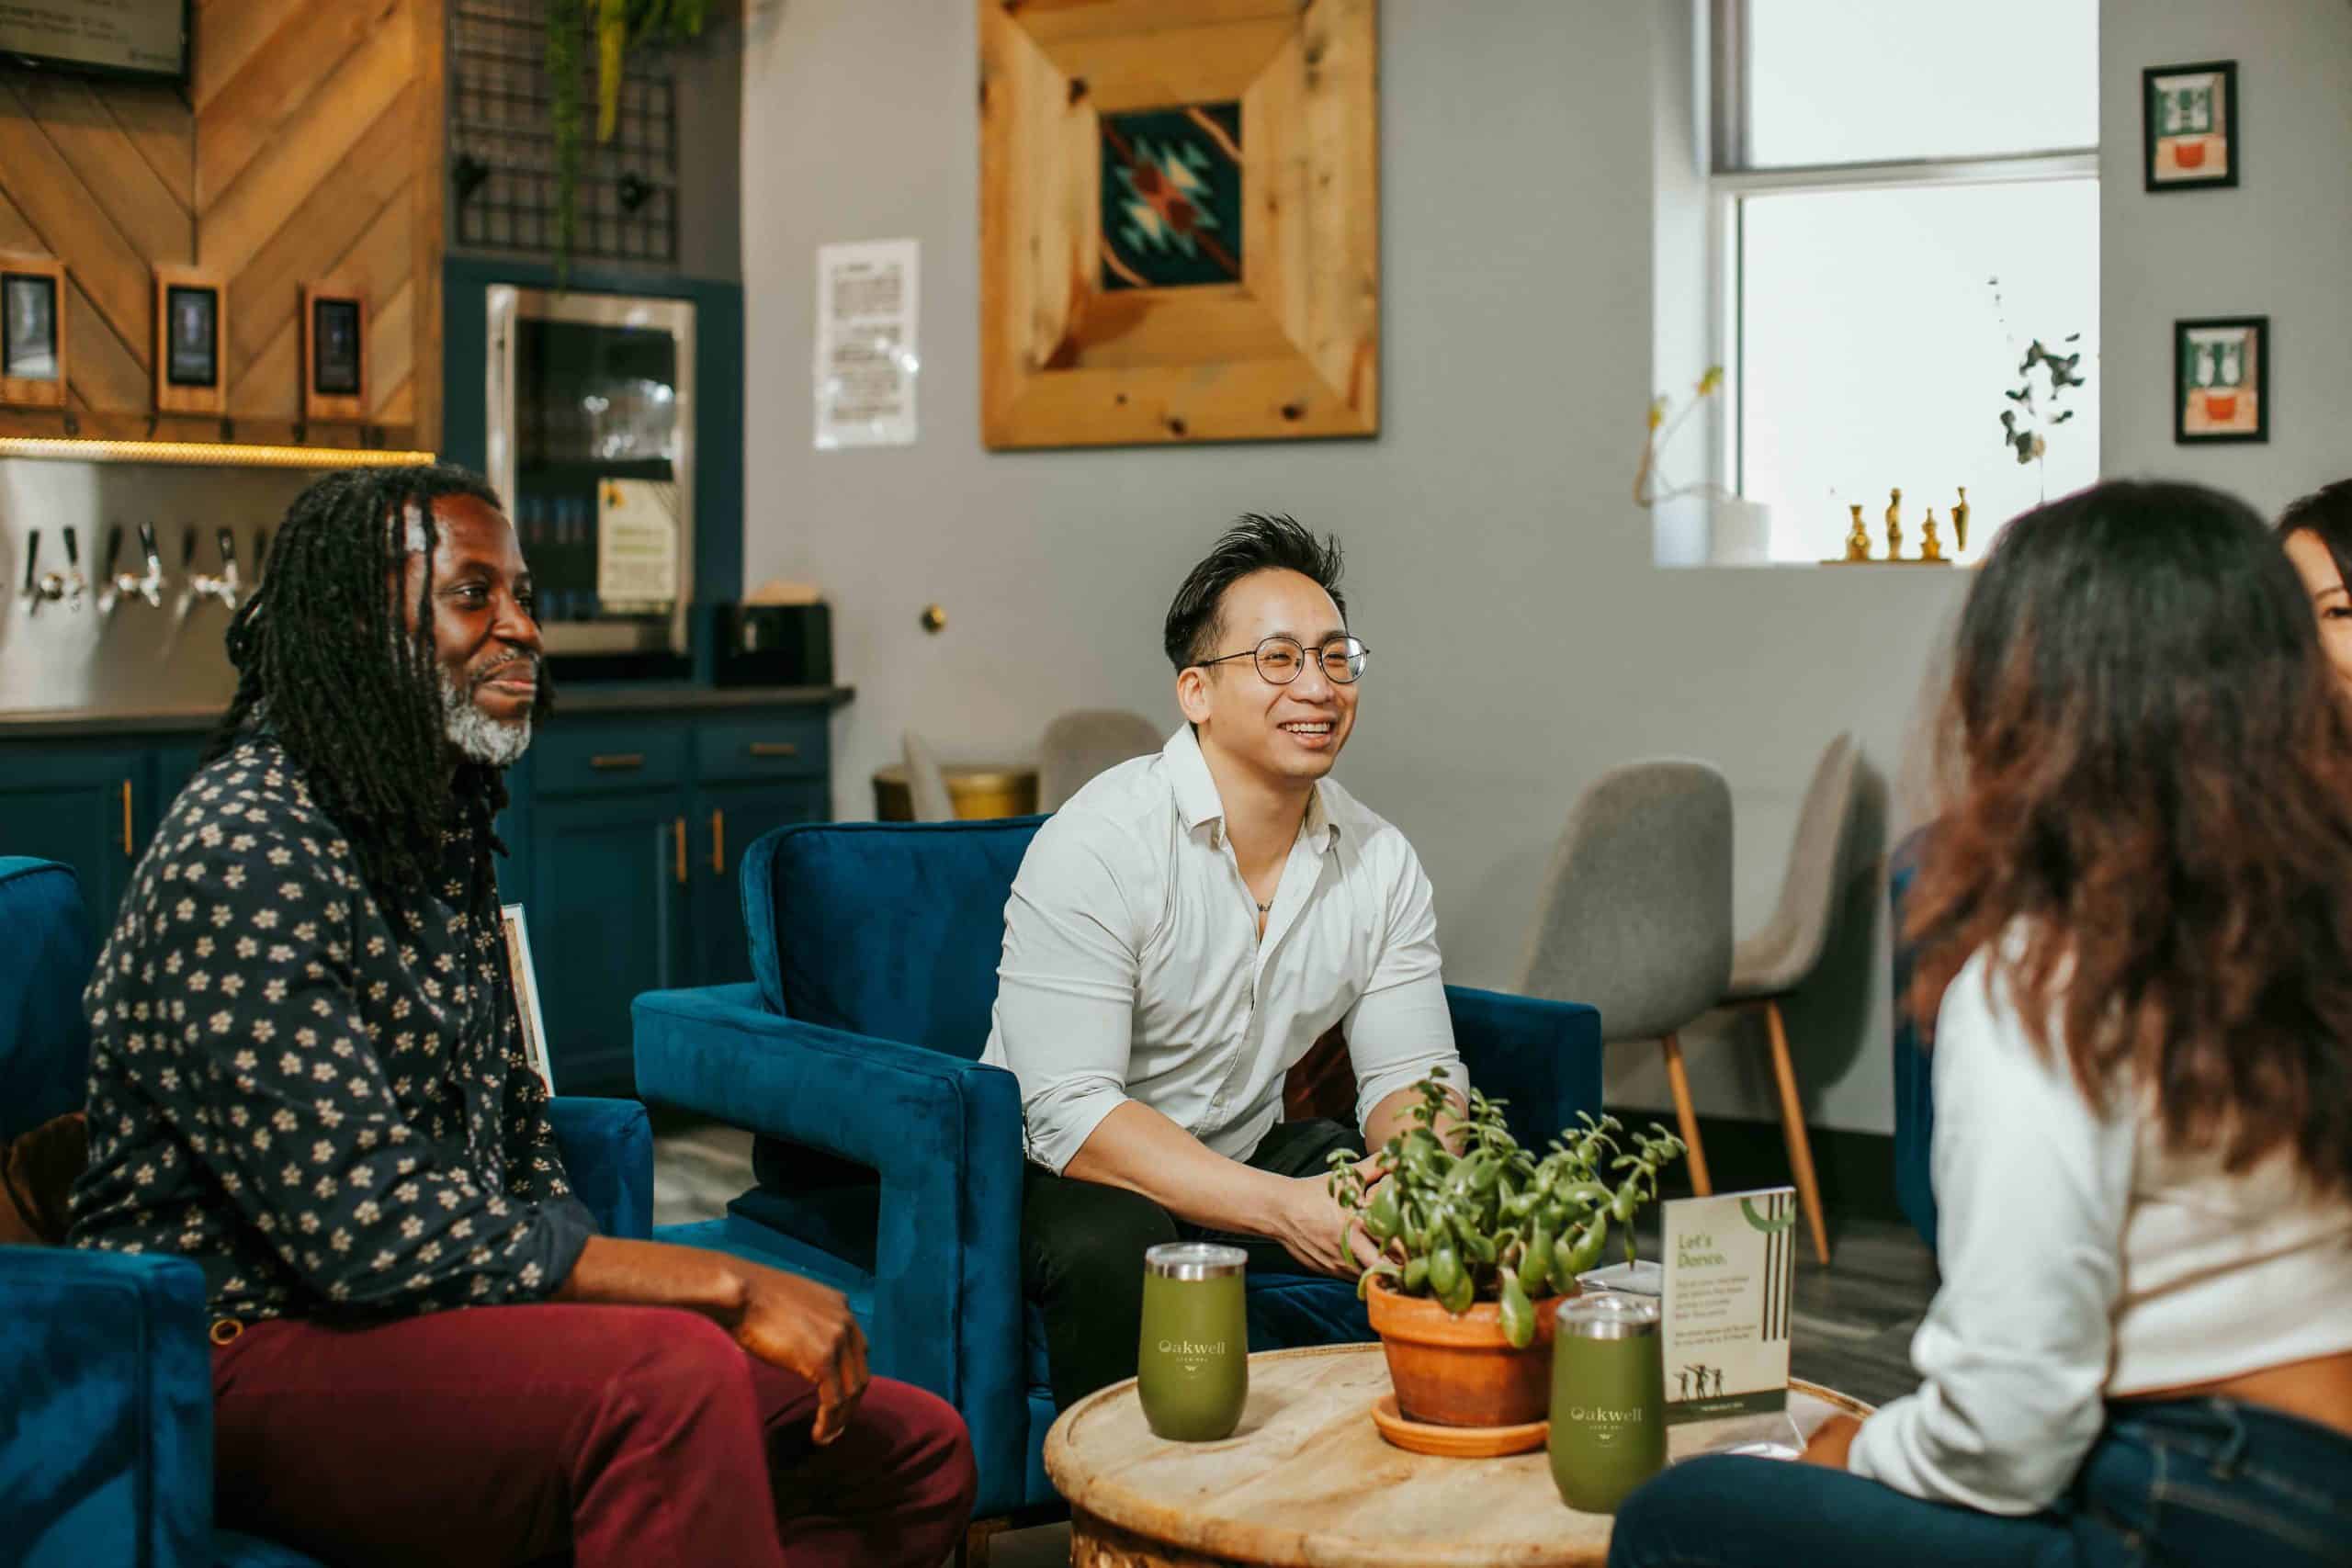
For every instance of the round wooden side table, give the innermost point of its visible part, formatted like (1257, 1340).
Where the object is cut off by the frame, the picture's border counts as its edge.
(1307, 1482)
(977, 790)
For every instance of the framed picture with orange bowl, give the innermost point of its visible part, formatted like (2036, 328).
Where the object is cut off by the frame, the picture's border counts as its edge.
(2221, 371)
(2188, 116)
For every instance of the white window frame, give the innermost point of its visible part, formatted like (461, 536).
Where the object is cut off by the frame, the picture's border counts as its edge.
(1730, 181)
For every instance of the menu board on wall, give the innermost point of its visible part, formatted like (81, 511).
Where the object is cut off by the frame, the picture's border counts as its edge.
(121, 38)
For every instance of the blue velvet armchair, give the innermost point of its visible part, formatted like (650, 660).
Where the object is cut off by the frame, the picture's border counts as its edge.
(889, 1161)
(106, 1375)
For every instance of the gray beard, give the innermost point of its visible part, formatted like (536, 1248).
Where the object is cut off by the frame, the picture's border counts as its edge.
(474, 734)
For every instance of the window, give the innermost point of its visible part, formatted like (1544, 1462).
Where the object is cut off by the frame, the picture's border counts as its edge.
(1900, 210)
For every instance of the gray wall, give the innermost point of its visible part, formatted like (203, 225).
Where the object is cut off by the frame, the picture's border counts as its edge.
(1497, 566)
(2279, 245)
(1524, 641)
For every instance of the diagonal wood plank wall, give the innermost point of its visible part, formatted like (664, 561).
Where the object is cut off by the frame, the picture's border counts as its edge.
(305, 147)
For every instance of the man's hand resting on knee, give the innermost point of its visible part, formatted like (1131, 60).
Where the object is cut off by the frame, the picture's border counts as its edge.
(783, 1319)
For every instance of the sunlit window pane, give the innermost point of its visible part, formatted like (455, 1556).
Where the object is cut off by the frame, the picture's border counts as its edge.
(1838, 81)
(1874, 355)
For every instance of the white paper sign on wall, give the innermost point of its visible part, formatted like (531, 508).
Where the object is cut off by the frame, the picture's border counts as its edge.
(867, 358)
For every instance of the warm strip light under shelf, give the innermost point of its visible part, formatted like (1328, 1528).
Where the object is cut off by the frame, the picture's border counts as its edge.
(206, 454)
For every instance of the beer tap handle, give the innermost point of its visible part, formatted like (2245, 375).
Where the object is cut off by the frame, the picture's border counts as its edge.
(112, 586)
(32, 567)
(76, 583)
(260, 551)
(188, 549)
(228, 584)
(114, 550)
(150, 587)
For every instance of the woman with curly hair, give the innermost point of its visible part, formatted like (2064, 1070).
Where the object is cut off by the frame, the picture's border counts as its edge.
(2137, 911)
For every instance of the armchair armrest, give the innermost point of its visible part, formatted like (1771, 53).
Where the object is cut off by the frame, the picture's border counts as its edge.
(106, 1379)
(944, 1134)
(607, 1148)
(1541, 1056)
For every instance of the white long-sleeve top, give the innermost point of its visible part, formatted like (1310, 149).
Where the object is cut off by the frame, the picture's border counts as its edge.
(1133, 968)
(2083, 1260)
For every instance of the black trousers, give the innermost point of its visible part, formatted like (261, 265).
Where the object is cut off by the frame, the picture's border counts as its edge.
(1082, 1246)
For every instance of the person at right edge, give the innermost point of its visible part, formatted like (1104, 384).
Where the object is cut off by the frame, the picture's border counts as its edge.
(2137, 910)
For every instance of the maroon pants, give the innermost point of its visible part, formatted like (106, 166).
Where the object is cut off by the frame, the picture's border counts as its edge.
(616, 1435)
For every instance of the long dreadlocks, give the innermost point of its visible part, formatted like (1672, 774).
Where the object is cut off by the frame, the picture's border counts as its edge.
(324, 661)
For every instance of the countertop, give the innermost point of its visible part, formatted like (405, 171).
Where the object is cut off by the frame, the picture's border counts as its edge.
(603, 699)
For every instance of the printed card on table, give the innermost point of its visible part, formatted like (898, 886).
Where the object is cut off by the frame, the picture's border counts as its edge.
(1729, 1264)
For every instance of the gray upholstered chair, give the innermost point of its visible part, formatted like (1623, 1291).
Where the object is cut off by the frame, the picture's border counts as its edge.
(926, 785)
(1083, 743)
(1775, 960)
(1635, 913)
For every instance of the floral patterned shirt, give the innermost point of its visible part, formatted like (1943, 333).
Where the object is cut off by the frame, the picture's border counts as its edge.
(318, 1096)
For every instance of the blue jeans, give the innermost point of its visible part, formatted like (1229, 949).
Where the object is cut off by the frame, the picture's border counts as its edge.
(2178, 1482)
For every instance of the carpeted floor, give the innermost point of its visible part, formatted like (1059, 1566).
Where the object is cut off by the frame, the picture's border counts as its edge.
(1853, 1320)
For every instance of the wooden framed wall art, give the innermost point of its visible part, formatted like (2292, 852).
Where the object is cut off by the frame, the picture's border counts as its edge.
(335, 354)
(32, 331)
(191, 340)
(1180, 226)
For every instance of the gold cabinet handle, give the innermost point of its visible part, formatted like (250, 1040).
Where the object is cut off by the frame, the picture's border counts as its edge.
(613, 761)
(126, 817)
(773, 749)
(678, 829)
(719, 843)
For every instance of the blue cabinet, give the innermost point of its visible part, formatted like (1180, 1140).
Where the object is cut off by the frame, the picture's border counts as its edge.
(90, 806)
(625, 827)
(607, 916)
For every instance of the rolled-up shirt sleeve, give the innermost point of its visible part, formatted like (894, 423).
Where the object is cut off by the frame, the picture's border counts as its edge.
(1400, 1029)
(297, 1121)
(2032, 1183)
(1066, 989)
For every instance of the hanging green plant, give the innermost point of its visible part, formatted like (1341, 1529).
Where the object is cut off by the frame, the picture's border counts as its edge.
(618, 27)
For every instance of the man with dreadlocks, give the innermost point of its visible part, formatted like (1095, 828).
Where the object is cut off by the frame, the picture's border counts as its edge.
(305, 1076)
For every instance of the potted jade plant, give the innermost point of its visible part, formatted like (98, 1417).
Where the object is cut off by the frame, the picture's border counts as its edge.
(1479, 1246)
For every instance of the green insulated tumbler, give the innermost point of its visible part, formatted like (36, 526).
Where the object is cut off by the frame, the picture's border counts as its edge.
(1607, 1400)
(1193, 1358)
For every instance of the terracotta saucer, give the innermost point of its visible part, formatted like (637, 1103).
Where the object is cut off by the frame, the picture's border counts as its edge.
(1455, 1442)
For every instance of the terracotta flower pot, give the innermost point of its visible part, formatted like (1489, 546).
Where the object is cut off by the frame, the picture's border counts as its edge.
(2221, 406)
(1462, 1371)
(2188, 155)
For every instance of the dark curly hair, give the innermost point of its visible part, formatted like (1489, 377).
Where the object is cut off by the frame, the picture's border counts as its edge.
(325, 662)
(2151, 819)
(1256, 542)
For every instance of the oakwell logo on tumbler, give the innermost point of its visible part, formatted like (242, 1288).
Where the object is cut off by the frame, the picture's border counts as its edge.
(1193, 1349)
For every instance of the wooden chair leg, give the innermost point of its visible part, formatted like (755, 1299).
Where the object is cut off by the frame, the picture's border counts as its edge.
(1679, 1081)
(974, 1553)
(1792, 1130)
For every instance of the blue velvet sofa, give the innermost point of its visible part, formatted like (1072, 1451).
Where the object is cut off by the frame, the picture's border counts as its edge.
(1915, 1097)
(106, 1377)
(889, 1161)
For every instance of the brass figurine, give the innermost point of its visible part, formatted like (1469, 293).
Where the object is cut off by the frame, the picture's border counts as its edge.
(1858, 543)
(1960, 522)
(1930, 547)
(1894, 524)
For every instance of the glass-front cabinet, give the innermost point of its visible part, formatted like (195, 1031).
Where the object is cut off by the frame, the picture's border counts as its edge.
(591, 439)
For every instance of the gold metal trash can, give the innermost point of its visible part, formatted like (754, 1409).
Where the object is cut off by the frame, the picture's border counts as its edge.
(977, 790)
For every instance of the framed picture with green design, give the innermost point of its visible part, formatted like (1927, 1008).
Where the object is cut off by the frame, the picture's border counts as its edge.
(1179, 225)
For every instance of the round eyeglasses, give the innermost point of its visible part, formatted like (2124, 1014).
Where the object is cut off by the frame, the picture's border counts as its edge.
(1280, 658)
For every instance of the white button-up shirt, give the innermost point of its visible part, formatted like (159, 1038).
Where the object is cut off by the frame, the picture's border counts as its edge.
(1134, 970)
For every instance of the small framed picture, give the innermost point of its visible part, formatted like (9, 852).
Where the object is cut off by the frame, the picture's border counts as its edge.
(526, 992)
(191, 329)
(32, 331)
(335, 354)
(2221, 380)
(2190, 117)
